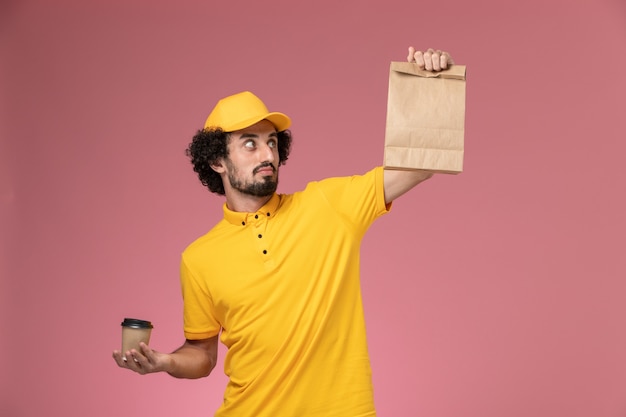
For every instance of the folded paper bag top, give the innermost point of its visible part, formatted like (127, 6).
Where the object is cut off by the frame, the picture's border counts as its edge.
(455, 72)
(425, 118)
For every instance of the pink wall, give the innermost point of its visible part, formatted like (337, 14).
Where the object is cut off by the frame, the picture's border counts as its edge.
(497, 292)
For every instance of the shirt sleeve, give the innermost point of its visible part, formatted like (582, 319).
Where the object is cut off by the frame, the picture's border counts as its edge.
(198, 314)
(359, 199)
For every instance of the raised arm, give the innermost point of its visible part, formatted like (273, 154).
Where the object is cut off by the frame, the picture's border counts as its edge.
(194, 359)
(398, 182)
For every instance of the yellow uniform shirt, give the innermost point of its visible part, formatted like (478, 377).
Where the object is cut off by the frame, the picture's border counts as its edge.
(282, 286)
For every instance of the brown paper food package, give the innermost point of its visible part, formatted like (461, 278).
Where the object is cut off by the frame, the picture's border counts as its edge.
(425, 119)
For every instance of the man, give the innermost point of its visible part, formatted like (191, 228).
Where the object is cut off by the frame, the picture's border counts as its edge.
(277, 280)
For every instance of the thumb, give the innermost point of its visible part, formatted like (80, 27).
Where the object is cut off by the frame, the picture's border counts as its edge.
(411, 56)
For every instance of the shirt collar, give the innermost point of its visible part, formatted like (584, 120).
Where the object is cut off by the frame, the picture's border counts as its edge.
(239, 218)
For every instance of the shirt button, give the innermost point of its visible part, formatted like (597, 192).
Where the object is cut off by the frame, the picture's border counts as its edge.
(243, 223)
(256, 216)
(268, 214)
(264, 251)
(260, 236)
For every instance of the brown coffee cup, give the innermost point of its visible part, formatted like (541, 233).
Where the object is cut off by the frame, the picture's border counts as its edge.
(134, 331)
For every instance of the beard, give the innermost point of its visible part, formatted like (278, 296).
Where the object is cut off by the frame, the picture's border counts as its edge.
(263, 188)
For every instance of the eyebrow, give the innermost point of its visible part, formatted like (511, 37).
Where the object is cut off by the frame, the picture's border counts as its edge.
(254, 135)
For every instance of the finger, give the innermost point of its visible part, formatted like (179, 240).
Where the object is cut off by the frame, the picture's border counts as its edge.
(419, 59)
(443, 61)
(117, 355)
(449, 59)
(446, 60)
(137, 357)
(137, 362)
(127, 356)
(147, 353)
(428, 60)
(436, 58)
(411, 56)
(147, 359)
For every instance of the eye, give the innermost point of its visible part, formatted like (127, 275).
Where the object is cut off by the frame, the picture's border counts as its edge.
(272, 143)
(249, 144)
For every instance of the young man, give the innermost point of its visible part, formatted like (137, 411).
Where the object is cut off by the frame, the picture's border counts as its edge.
(277, 280)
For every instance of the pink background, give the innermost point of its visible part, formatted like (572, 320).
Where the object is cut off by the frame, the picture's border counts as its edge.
(497, 292)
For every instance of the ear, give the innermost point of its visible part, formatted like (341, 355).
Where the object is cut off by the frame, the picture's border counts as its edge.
(218, 166)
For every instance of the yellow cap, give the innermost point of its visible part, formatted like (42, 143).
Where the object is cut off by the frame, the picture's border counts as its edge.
(243, 110)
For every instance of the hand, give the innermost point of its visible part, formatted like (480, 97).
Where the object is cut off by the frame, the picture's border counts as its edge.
(145, 362)
(431, 60)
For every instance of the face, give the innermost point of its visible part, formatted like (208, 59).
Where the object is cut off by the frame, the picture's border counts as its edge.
(252, 161)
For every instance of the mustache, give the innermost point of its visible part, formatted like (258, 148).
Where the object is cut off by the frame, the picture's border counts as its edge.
(264, 165)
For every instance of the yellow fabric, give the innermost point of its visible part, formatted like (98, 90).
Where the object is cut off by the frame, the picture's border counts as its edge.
(282, 286)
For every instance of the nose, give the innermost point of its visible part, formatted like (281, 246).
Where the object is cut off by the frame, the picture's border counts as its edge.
(269, 153)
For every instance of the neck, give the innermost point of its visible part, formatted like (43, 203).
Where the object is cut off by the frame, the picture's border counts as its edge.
(245, 203)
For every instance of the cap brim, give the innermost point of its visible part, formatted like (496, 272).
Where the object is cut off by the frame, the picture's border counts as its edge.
(279, 120)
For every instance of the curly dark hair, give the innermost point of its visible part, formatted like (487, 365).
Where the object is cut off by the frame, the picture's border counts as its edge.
(209, 145)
